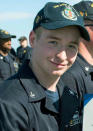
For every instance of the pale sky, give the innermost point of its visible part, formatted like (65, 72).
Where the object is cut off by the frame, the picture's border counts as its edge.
(17, 16)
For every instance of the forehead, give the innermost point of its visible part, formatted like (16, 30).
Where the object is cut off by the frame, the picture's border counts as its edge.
(70, 30)
(66, 34)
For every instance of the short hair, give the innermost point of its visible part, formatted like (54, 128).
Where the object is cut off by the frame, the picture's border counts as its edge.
(38, 32)
(22, 38)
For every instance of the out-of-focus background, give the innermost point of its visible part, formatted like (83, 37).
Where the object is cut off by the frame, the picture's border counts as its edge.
(16, 16)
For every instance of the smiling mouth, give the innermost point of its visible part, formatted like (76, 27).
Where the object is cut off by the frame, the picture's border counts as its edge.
(58, 64)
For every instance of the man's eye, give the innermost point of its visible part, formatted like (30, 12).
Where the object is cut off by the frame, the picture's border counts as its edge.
(53, 42)
(73, 46)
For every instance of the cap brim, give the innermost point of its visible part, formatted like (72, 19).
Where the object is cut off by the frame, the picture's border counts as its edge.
(61, 24)
(9, 36)
(13, 36)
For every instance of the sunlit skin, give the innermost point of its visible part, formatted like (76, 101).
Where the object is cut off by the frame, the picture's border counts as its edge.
(23, 43)
(89, 29)
(53, 53)
(7, 44)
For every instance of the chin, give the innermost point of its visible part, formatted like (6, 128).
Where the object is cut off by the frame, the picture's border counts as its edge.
(58, 73)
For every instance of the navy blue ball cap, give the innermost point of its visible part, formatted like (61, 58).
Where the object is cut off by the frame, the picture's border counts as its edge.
(59, 15)
(85, 8)
(22, 38)
(5, 35)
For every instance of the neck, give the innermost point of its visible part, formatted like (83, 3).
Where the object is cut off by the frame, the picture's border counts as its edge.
(46, 80)
(86, 50)
(48, 83)
(3, 53)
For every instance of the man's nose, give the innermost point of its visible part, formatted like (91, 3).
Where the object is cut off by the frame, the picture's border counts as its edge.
(9, 41)
(62, 54)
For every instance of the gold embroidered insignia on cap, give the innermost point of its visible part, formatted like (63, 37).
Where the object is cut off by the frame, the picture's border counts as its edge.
(4, 32)
(69, 14)
(59, 5)
(81, 13)
(86, 14)
(38, 18)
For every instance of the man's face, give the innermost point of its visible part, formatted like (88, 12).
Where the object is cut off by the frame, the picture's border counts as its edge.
(6, 44)
(89, 27)
(55, 51)
(23, 43)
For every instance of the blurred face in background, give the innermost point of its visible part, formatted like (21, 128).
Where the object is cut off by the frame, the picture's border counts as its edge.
(89, 27)
(23, 43)
(5, 44)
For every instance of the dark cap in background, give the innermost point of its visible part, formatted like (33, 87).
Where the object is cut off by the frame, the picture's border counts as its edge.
(5, 35)
(22, 38)
(59, 15)
(85, 8)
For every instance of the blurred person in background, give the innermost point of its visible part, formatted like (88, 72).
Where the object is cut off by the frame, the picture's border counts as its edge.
(13, 52)
(8, 65)
(23, 51)
(80, 76)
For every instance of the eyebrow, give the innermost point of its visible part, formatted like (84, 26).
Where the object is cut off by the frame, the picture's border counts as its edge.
(56, 38)
(53, 37)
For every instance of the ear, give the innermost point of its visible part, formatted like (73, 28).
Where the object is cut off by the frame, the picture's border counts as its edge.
(32, 38)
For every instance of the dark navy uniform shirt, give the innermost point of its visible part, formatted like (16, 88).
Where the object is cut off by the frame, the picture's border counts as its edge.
(79, 78)
(80, 75)
(23, 53)
(25, 106)
(7, 67)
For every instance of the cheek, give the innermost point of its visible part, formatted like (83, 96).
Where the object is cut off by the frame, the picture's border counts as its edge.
(47, 51)
(72, 58)
(71, 55)
(41, 52)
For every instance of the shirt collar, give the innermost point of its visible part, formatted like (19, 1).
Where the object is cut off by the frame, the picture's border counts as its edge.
(87, 68)
(33, 89)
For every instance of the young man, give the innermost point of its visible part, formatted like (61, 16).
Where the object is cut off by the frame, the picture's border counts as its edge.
(23, 50)
(80, 76)
(35, 99)
(7, 60)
